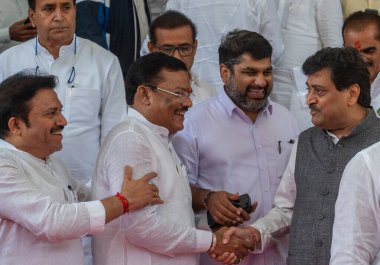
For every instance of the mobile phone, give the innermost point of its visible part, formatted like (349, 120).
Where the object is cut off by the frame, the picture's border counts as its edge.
(244, 202)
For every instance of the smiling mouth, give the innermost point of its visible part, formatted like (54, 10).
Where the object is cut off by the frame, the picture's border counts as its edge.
(180, 113)
(256, 92)
(56, 131)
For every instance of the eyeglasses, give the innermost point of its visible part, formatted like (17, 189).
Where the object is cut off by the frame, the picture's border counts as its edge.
(180, 95)
(183, 50)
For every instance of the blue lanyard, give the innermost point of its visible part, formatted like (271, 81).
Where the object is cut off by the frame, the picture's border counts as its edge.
(71, 79)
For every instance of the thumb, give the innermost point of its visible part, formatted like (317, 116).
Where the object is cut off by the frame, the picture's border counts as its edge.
(149, 176)
(227, 235)
(254, 206)
(127, 173)
(233, 197)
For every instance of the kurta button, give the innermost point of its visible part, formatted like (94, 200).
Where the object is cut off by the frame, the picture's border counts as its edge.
(320, 217)
(318, 243)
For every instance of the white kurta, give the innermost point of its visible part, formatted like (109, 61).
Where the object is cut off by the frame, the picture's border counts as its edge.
(40, 223)
(159, 234)
(356, 231)
(93, 104)
(307, 26)
(215, 18)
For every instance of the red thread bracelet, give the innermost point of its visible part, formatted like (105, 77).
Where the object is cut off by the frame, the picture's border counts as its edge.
(124, 201)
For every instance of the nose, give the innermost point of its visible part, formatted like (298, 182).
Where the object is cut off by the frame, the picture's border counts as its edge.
(61, 120)
(58, 14)
(177, 55)
(311, 99)
(260, 80)
(187, 102)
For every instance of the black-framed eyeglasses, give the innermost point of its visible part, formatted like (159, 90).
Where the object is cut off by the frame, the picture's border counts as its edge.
(183, 50)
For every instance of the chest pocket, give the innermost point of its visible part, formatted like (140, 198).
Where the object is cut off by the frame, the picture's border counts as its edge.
(84, 105)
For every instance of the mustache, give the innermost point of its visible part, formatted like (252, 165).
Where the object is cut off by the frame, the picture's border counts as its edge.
(57, 129)
(314, 107)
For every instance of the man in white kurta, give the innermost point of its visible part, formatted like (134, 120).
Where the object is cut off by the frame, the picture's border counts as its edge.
(90, 88)
(356, 231)
(41, 221)
(158, 91)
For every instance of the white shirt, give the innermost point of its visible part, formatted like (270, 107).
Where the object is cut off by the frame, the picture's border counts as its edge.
(92, 107)
(11, 11)
(306, 26)
(201, 90)
(215, 18)
(158, 234)
(356, 231)
(40, 221)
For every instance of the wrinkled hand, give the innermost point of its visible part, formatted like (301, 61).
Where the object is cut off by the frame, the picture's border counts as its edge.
(238, 245)
(223, 211)
(140, 192)
(22, 32)
(247, 234)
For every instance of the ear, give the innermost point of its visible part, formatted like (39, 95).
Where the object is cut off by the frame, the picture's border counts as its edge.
(31, 15)
(353, 94)
(225, 73)
(14, 125)
(143, 96)
(151, 47)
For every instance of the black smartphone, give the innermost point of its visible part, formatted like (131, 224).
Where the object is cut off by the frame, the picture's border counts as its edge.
(244, 202)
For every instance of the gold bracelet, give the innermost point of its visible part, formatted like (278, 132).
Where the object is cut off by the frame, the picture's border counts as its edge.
(213, 243)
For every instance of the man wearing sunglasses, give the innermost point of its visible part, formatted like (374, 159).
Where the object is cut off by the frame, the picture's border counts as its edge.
(175, 34)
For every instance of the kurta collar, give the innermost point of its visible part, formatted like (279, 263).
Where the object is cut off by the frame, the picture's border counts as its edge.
(162, 131)
(65, 49)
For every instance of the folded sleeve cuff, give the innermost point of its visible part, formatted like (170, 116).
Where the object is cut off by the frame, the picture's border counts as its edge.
(204, 239)
(97, 215)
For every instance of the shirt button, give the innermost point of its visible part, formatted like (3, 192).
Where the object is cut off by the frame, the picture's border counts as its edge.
(266, 189)
(320, 217)
(318, 243)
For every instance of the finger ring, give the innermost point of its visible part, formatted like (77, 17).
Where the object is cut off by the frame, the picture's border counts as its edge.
(155, 194)
(237, 260)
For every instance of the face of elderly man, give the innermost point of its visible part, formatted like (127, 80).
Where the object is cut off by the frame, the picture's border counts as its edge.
(55, 22)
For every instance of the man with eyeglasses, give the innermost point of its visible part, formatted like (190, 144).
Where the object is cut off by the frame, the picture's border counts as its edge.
(175, 34)
(158, 92)
(238, 142)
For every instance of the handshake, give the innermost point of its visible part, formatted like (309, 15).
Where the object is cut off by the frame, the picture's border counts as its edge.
(225, 211)
(231, 245)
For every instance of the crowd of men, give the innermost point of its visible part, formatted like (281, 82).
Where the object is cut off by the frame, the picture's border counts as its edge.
(153, 165)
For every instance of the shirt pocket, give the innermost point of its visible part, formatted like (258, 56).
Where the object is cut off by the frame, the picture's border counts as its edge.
(84, 106)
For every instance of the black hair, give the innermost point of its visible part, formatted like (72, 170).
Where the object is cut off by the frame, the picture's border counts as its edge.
(146, 70)
(238, 42)
(171, 20)
(347, 68)
(358, 20)
(15, 93)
